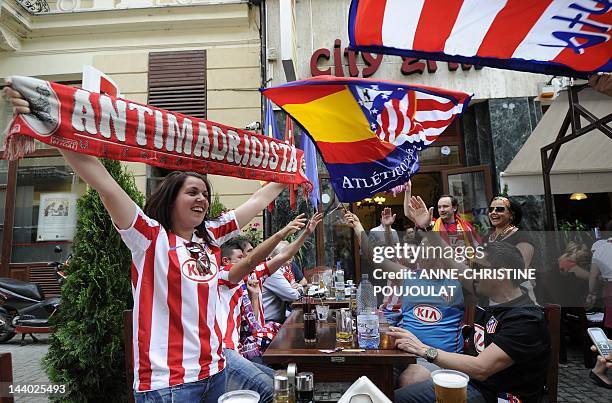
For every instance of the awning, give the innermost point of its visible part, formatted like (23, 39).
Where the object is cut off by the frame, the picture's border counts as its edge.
(583, 164)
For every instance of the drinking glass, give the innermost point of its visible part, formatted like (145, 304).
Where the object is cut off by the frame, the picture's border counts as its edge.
(322, 312)
(450, 386)
(327, 283)
(344, 325)
(310, 327)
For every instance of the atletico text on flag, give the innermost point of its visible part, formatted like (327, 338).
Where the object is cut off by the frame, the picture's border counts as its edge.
(368, 132)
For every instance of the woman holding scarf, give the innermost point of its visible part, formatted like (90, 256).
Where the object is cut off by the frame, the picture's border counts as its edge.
(175, 275)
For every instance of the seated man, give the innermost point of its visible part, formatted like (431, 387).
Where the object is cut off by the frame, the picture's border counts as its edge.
(242, 373)
(280, 288)
(510, 348)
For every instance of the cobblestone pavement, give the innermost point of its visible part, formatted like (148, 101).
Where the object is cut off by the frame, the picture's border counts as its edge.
(27, 368)
(574, 383)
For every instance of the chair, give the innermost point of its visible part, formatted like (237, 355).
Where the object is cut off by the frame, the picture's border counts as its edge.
(316, 270)
(6, 377)
(127, 345)
(553, 318)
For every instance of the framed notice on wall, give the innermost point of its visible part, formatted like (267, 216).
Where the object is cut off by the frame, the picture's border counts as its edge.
(56, 217)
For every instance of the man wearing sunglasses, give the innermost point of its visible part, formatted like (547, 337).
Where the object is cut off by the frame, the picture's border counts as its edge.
(509, 347)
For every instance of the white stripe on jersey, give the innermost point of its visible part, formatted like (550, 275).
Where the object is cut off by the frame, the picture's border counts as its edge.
(156, 274)
(226, 294)
(191, 340)
(472, 24)
(397, 15)
(213, 301)
(541, 31)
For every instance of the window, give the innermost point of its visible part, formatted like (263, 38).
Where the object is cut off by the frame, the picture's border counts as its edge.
(45, 208)
(3, 183)
(177, 82)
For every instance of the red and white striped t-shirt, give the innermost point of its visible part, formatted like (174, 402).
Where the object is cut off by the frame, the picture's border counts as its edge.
(176, 336)
(230, 307)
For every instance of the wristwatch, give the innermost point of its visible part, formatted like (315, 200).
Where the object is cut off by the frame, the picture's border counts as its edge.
(431, 354)
(427, 229)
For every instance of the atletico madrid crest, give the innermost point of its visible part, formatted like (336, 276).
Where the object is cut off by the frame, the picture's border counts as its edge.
(491, 325)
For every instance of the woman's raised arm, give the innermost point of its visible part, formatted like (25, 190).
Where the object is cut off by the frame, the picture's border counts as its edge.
(256, 203)
(118, 204)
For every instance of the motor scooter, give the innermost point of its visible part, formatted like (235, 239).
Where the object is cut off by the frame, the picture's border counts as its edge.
(24, 308)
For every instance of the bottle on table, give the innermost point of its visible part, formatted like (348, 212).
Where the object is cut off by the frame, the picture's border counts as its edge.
(368, 334)
(339, 282)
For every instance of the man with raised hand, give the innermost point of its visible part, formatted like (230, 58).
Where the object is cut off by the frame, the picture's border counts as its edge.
(509, 349)
(242, 373)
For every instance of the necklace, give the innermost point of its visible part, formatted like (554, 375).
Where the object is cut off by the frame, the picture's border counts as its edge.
(493, 237)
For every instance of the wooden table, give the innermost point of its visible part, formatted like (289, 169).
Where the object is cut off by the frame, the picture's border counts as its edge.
(289, 347)
(333, 304)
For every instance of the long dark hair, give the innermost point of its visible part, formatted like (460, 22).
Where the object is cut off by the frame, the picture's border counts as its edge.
(516, 212)
(159, 206)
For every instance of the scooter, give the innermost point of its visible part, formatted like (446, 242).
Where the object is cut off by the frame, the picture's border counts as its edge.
(24, 308)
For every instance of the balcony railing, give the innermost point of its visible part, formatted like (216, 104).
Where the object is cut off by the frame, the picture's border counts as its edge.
(59, 6)
(35, 6)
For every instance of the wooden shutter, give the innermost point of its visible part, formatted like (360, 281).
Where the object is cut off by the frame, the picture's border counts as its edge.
(177, 81)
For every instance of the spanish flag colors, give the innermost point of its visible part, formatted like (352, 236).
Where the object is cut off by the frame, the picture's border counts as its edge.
(368, 132)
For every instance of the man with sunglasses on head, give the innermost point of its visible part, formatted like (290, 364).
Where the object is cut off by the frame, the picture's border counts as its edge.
(509, 347)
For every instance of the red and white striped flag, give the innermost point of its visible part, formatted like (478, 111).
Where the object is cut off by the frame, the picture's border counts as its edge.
(563, 37)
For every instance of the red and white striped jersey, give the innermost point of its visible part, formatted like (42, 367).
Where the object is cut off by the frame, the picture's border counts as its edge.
(176, 335)
(230, 308)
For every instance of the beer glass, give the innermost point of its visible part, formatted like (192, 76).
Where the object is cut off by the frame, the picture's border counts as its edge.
(450, 386)
(344, 325)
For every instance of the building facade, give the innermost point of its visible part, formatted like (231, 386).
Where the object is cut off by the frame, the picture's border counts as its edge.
(199, 57)
(309, 38)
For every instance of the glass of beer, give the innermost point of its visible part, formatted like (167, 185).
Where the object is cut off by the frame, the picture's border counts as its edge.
(344, 325)
(310, 327)
(451, 386)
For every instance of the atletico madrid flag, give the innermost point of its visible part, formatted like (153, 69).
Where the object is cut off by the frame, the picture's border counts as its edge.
(560, 37)
(368, 132)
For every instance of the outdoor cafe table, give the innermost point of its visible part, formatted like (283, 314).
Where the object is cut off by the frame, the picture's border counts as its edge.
(289, 347)
(333, 303)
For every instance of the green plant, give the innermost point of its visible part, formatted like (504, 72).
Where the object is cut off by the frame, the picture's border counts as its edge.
(300, 256)
(576, 225)
(216, 207)
(86, 350)
(253, 233)
(505, 191)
